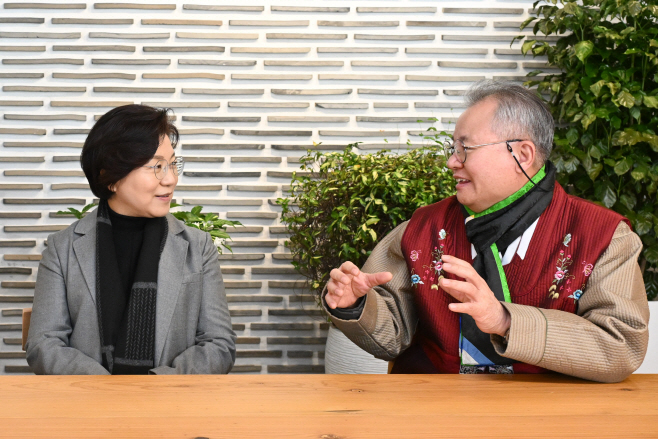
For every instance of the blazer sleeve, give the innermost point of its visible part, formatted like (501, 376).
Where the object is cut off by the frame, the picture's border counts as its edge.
(214, 348)
(48, 348)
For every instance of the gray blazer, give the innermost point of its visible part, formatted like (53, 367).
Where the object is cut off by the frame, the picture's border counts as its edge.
(193, 326)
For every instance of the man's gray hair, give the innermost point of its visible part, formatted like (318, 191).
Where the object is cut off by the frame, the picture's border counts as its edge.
(521, 113)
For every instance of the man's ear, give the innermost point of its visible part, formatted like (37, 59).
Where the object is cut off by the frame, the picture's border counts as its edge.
(526, 154)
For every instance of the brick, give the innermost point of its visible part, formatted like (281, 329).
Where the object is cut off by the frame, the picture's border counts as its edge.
(76, 117)
(232, 298)
(296, 340)
(21, 103)
(448, 51)
(217, 49)
(71, 61)
(258, 77)
(254, 243)
(274, 63)
(216, 76)
(221, 174)
(307, 368)
(12, 312)
(101, 21)
(45, 6)
(246, 312)
(224, 8)
(242, 284)
(404, 92)
(340, 77)
(135, 62)
(48, 228)
(288, 284)
(395, 10)
(18, 243)
(342, 106)
(255, 188)
(232, 270)
(223, 202)
(216, 36)
(12, 341)
(268, 104)
(221, 119)
(242, 257)
(270, 49)
(357, 49)
(246, 369)
(23, 131)
(295, 312)
(48, 35)
(130, 36)
(18, 284)
(282, 326)
(248, 340)
(20, 214)
(200, 187)
(189, 159)
(15, 299)
(17, 369)
(15, 270)
(128, 76)
(427, 37)
(477, 65)
(225, 91)
(309, 9)
(21, 75)
(300, 354)
(478, 11)
(380, 133)
(270, 133)
(177, 22)
(161, 6)
(22, 257)
(258, 354)
(295, 36)
(94, 48)
(21, 48)
(358, 23)
(447, 23)
(253, 215)
(390, 105)
(391, 63)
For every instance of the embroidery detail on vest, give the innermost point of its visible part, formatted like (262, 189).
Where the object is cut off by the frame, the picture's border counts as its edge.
(415, 279)
(587, 270)
(562, 273)
(442, 234)
(414, 255)
(567, 239)
(437, 263)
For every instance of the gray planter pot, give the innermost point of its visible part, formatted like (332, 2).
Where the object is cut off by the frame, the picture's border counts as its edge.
(342, 356)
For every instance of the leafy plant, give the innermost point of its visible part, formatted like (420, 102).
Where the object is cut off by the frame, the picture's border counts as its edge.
(75, 212)
(208, 222)
(350, 201)
(605, 102)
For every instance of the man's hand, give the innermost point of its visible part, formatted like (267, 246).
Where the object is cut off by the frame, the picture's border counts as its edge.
(348, 283)
(477, 298)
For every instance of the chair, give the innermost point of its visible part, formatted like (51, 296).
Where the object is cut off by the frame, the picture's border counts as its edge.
(27, 314)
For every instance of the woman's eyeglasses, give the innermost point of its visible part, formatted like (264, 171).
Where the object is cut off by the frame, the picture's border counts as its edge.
(162, 167)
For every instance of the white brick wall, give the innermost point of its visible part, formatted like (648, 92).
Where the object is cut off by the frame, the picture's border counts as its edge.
(252, 86)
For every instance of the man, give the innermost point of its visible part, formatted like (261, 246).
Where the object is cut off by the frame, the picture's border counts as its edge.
(511, 275)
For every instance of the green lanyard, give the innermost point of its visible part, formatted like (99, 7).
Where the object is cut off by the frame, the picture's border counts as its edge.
(500, 205)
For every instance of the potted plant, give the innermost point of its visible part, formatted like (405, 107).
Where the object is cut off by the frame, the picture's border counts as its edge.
(347, 203)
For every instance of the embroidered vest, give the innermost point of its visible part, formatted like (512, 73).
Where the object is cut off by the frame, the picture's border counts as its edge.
(569, 238)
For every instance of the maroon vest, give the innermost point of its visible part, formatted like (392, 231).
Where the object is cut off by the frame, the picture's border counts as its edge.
(569, 238)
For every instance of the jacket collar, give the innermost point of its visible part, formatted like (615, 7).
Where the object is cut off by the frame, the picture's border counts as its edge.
(170, 270)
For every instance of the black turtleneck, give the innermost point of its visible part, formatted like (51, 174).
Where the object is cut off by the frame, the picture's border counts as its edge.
(127, 232)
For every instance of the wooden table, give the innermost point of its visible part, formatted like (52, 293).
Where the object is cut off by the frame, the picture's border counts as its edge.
(327, 407)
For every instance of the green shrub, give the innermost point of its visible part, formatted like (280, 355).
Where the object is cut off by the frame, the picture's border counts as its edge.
(351, 201)
(208, 222)
(605, 103)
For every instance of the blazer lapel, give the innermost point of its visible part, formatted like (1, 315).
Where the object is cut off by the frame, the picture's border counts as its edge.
(85, 251)
(170, 280)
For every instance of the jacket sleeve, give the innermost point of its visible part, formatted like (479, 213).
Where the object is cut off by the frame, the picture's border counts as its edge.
(387, 324)
(606, 340)
(48, 348)
(214, 348)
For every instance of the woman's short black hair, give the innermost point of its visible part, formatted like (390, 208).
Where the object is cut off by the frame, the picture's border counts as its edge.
(123, 139)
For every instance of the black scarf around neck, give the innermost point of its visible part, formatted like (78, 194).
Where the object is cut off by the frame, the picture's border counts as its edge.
(491, 232)
(127, 324)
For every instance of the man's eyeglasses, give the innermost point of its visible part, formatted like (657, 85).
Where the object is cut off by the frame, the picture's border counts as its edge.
(162, 167)
(458, 148)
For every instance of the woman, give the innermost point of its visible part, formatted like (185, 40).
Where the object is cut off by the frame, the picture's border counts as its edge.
(129, 289)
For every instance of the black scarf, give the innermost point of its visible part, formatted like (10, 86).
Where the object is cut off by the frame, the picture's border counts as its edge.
(491, 232)
(127, 324)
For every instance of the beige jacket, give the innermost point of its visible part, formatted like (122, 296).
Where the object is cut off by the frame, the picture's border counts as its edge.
(606, 340)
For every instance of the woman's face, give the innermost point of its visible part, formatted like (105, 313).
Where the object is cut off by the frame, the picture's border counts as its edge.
(140, 193)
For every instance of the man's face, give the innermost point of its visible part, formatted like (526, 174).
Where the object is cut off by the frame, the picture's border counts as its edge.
(488, 174)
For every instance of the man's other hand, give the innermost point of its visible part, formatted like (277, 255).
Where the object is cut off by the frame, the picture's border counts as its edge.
(348, 283)
(475, 296)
